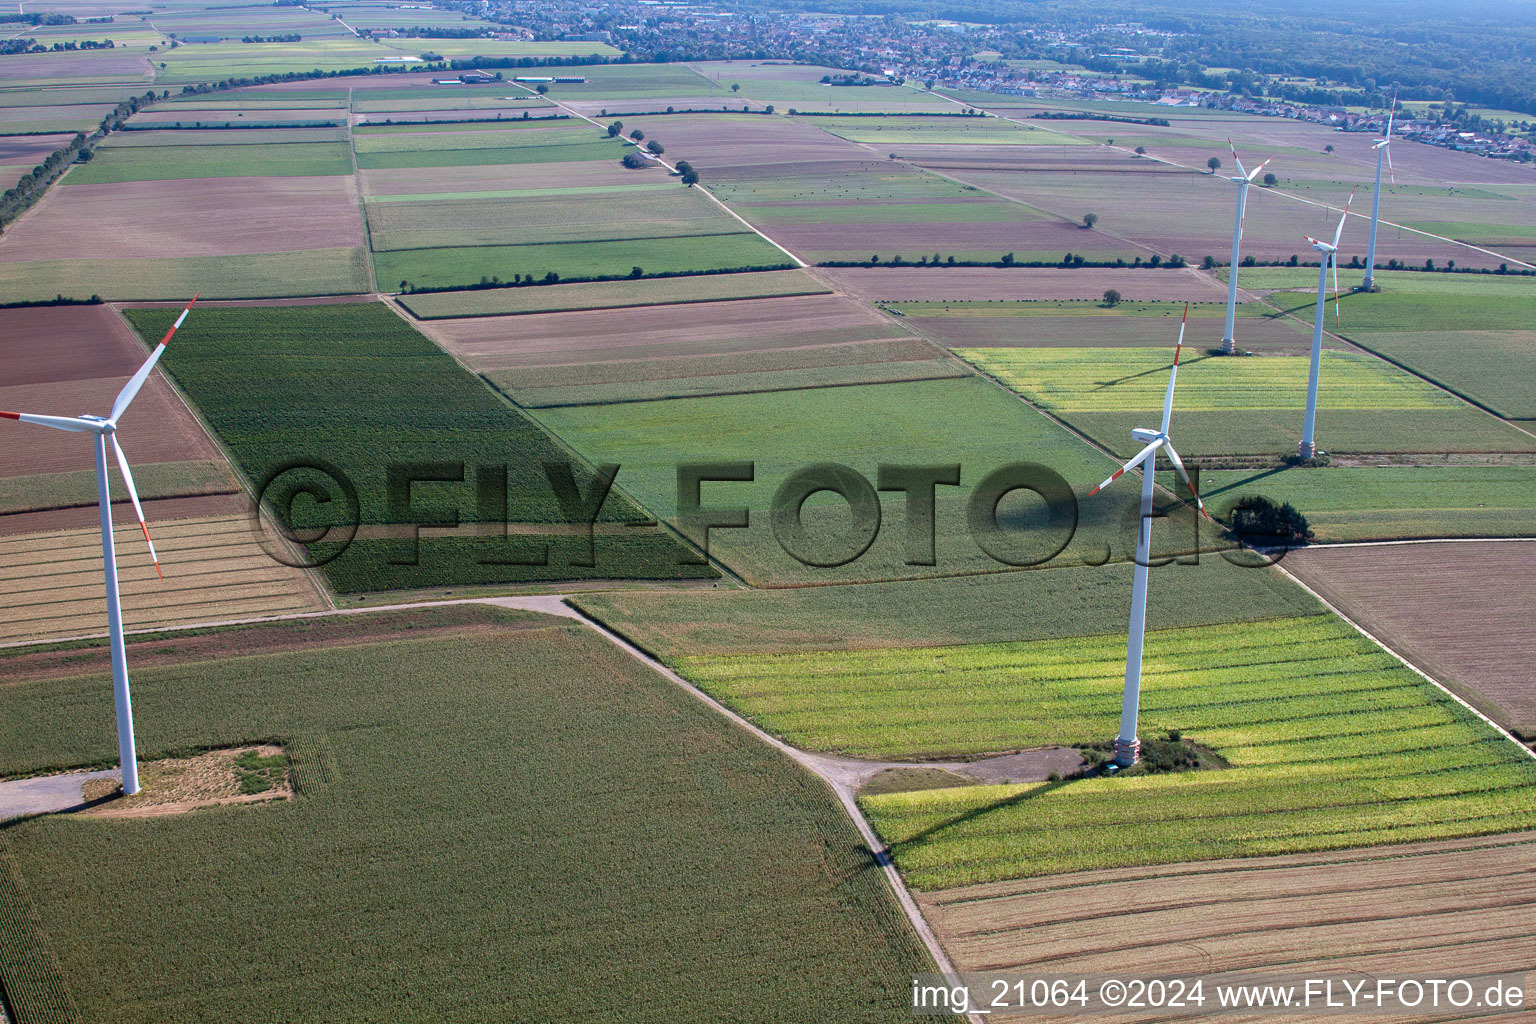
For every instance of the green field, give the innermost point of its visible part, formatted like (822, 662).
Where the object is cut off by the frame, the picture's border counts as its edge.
(355, 387)
(257, 276)
(988, 608)
(155, 163)
(1389, 502)
(458, 267)
(612, 294)
(1246, 406)
(1493, 368)
(1410, 301)
(966, 421)
(482, 816)
(589, 148)
(535, 136)
(967, 131)
(458, 223)
(866, 186)
(1332, 743)
(78, 488)
(968, 211)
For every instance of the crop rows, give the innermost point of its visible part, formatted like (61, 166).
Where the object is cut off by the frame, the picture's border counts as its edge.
(1330, 742)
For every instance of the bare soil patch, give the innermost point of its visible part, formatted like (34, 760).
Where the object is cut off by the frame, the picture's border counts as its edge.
(895, 283)
(570, 339)
(1460, 611)
(1459, 905)
(30, 150)
(156, 219)
(175, 785)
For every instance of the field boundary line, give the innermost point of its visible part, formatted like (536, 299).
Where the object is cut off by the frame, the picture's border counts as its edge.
(811, 762)
(714, 198)
(357, 183)
(1527, 751)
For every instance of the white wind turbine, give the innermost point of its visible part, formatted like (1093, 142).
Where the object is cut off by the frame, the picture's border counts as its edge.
(1330, 251)
(1243, 179)
(1127, 746)
(1383, 148)
(105, 431)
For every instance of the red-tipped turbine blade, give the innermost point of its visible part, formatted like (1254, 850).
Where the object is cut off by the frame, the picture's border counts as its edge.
(1339, 232)
(1140, 457)
(1178, 464)
(1258, 169)
(1235, 158)
(133, 495)
(131, 389)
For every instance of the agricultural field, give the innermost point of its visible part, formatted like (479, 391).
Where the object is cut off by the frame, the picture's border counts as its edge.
(1455, 610)
(1331, 744)
(215, 567)
(144, 162)
(1374, 912)
(354, 387)
(568, 298)
(1014, 284)
(1246, 406)
(1038, 604)
(936, 422)
(968, 131)
(1083, 323)
(1385, 502)
(629, 354)
(642, 822)
(308, 272)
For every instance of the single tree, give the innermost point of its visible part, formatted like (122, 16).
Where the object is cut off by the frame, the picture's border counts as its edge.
(615, 128)
(1141, 150)
(1328, 148)
(542, 89)
(1209, 263)
(635, 272)
(1089, 220)
(655, 147)
(1214, 163)
(1270, 180)
(735, 87)
(690, 177)
(768, 109)
(637, 134)
(1111, 298)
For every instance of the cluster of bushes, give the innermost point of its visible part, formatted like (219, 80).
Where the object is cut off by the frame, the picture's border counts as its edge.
(292, 37)
(523, 280)
(1258, 520)
(1070, 261)
(967, 112)
(1047, 115)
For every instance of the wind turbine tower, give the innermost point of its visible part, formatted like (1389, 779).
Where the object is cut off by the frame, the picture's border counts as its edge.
(1242, 179)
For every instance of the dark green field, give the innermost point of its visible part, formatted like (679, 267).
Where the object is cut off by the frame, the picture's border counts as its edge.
(505, 819)
(155, 163)
(354, 387)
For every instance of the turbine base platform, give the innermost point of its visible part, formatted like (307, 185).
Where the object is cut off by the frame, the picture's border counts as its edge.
(1127, 752)
(1229, 347)
(1306, 450)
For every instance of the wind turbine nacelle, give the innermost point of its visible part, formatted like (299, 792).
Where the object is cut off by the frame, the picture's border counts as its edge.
(1146, 436)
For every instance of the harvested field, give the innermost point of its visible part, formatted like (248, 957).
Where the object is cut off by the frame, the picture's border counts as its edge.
(214, 569)
(1031, 239)
(227, 137)
(669, 351)
(250, 276)
(29, 150)
(77, 66)
(181, 116)
(612, 294)
(674, 212)
(403, 181)
(155, 219)
(1458, 905)
(896, 283)
(994, 328)
(1460, 611)
(724, 146)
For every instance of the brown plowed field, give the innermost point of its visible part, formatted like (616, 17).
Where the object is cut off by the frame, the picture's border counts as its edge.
(895, 283)
(1445, 909)
(50, 583)
(157, 219)
(1459, 611)
(68, 360)
(29, 150)
(724, 146)
(659, 332)
(156, 510)
(1046, 235)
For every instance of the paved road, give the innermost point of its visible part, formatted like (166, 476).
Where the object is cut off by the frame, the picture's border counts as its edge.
(46, 794)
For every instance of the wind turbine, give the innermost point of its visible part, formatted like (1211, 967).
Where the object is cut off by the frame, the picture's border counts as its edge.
(105, 430)
(1330, 250)
(1242, 180)
(1383, 148)
(1127, 746)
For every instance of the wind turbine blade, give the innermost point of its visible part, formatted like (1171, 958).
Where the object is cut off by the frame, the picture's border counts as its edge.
(1141, 457)
(1391, 116)
(131, 389)
(1242, 212)
(1255, 172)
(1390, 173)
(133, 494)
(1173, 374)
(1178, 464)
(1339, 233)
(56, 422)
(1236, 159)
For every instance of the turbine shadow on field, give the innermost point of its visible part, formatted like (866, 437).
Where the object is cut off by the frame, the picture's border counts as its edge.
(1245, 481)
(1147, 373)
(1029, 794)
